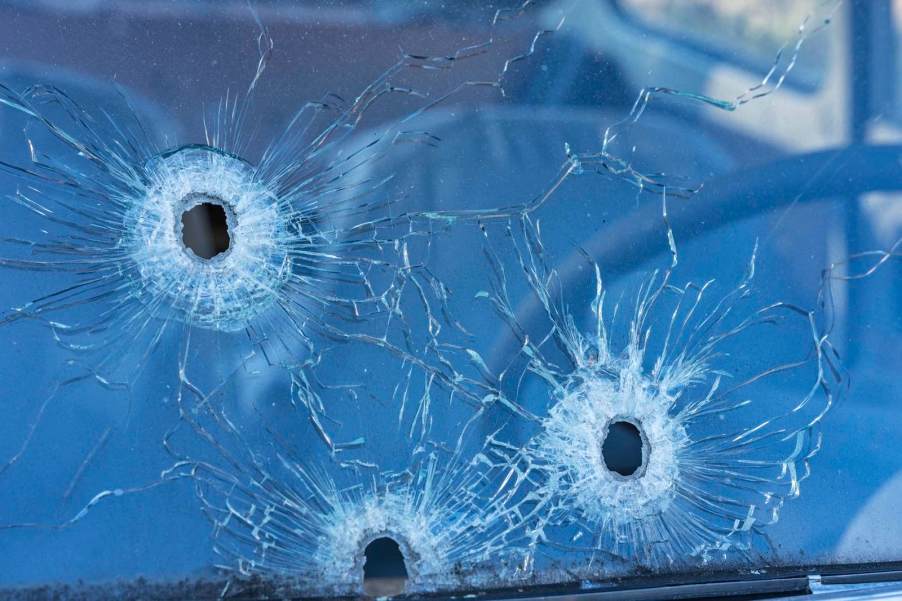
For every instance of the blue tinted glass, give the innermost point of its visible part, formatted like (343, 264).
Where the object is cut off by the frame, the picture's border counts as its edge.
(338, 298)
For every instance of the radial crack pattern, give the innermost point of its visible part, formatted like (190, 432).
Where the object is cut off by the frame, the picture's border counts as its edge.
(325, 381)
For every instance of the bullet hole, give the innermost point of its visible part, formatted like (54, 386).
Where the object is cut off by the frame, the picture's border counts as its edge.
(384, 569)
(205, 229)
(623, 448)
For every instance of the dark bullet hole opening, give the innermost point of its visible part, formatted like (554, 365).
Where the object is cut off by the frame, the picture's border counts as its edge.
(205, 229)
(622, 448)
(384, 568)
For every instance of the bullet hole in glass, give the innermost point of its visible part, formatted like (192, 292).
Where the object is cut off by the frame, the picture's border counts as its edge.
(384, 569)
(205, 229)
(622, 448)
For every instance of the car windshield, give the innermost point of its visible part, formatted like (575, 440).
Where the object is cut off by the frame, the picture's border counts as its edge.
(346, 297)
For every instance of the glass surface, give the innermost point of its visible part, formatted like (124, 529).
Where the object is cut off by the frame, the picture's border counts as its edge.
(741, 31)
(337, 298)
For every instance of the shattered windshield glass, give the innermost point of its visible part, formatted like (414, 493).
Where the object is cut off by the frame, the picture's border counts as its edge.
(348, 297)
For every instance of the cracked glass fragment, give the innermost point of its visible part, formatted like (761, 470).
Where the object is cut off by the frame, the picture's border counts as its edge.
(315, 535)
(371, 325)
(720, 435)
(221, 288)
(302, 515)
(308, 245)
